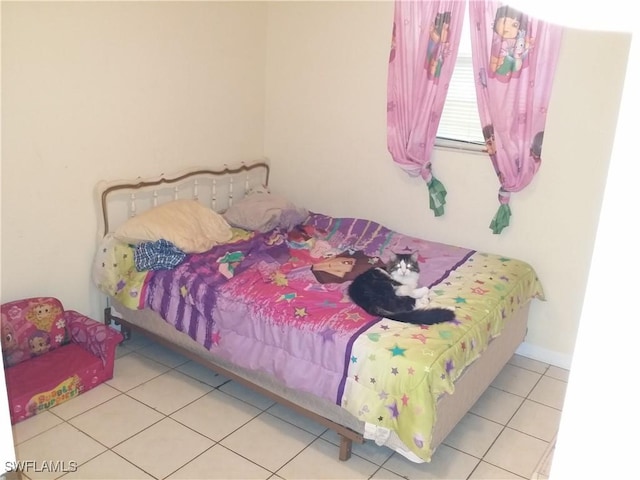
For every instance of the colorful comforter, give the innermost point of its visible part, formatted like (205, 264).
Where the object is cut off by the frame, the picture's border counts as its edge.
(277, 302)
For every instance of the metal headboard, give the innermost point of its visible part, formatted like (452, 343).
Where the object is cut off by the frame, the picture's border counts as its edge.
(118, 200)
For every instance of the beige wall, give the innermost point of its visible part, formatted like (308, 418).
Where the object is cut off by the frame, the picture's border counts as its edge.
(326, 136)
(103, 90)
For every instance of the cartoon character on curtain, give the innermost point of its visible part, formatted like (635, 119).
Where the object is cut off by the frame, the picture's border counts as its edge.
(510, 44)
(513, 88)
(536, 148)
(489, 139)
(438, 46)
(424, 43)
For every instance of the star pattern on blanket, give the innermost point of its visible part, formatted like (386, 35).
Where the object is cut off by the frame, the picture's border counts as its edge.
(327, 334)
(301, 312)
(354, 316)
(280, 279)
(449, 366)
(393, 410)
(396, 350)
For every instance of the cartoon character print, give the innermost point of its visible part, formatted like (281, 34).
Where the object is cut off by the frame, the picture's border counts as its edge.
(39, 343)
(489, 139)
(520, 50)
(11, 351)
(42, 315)
(510, 45)
(229, 262)
(536, 148)
(438, 46)
(9, 338)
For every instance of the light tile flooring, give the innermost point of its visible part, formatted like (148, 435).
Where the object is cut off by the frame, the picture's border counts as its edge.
(163, 416)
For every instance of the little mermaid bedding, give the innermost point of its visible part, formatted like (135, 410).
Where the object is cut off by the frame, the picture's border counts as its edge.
(277, 302)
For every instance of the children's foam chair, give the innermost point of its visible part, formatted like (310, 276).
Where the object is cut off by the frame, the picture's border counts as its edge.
(52, 355)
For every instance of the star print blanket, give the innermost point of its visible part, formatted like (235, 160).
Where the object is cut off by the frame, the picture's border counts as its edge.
(277, 302)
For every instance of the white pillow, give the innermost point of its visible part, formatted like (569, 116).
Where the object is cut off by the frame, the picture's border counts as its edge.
(189, 225)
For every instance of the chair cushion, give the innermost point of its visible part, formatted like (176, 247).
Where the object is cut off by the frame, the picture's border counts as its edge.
(31, 327)
(46, 381)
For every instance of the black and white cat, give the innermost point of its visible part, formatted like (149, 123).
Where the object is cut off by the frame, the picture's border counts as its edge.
(392, 292)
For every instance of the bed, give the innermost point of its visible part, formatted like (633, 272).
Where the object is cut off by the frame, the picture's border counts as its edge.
(265, 303)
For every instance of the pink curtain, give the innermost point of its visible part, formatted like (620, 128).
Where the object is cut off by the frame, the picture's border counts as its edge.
(426, 35)
(514, 60)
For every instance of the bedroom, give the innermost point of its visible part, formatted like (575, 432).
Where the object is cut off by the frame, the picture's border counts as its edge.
(159, 93)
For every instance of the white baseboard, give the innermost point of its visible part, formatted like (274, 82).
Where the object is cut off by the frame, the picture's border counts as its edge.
(557, 359)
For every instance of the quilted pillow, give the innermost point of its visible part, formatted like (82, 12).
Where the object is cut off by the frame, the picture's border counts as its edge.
(264, 211)
(31, 327)
(189, 225)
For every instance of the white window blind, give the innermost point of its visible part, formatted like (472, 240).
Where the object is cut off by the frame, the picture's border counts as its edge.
(460, 120)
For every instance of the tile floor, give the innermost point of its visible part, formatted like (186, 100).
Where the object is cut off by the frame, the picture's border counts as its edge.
(165, 417)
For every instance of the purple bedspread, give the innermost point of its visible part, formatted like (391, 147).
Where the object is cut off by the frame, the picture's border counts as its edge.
(277, 301)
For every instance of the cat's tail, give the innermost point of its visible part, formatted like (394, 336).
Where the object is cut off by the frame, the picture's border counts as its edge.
(428, 316)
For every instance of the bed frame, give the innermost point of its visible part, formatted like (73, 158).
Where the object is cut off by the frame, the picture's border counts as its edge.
(121, 199)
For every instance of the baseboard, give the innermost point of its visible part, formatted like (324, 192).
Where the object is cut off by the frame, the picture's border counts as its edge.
(557, 359)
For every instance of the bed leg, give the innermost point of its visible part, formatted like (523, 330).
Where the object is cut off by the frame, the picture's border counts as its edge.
(109, 318)
(345, 448)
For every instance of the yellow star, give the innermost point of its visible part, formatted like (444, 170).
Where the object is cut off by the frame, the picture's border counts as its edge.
(280, 280)
(301, 312)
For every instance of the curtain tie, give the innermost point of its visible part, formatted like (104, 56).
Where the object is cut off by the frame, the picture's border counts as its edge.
(437, 194)
(502, 216)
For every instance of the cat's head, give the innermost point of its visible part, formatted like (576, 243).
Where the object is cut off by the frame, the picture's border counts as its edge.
(403, 266)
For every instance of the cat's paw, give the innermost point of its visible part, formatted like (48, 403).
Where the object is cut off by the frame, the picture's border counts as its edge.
(420, 292)
(423, 303)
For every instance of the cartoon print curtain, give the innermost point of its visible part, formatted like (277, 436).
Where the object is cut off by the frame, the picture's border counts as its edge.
(425, 40)
(514, 59)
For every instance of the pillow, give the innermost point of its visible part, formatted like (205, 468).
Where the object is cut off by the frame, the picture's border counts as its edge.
(263, 211)
(31, 327)
(189, 225)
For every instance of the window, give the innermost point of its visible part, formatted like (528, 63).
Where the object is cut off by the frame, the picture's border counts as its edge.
(460, 122)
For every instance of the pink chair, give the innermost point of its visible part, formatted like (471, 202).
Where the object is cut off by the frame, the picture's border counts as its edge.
(52, 355)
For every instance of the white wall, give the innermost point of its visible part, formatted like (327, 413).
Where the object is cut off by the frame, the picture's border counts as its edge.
(102, 90)
(326, 136)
